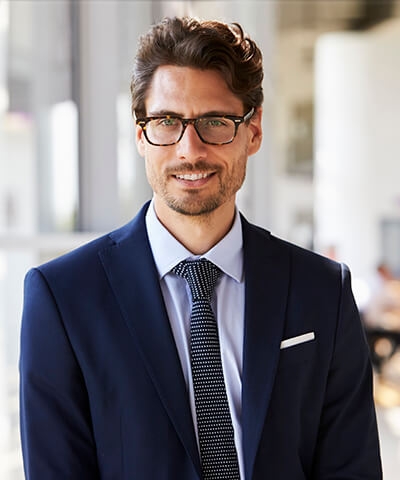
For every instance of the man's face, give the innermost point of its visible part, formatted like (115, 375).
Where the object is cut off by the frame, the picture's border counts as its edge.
(191, 177)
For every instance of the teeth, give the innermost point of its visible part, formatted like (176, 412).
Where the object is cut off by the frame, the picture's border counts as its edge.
(192, 176)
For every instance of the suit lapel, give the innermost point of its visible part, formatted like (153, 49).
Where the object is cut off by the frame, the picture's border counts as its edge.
(134, 280)
(266, 278)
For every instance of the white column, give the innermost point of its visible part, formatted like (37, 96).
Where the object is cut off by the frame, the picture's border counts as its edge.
(135, 19)
(357, 167)
(50, 76)
(98, 77)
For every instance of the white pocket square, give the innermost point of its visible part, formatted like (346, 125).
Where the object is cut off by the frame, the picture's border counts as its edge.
(290, 342)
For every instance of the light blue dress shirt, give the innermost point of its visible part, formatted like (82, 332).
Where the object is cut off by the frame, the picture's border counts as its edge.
(228, 305)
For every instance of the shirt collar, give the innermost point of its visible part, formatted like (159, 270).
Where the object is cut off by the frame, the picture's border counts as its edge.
(227, 254)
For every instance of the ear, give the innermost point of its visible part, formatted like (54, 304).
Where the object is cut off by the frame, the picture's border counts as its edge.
(140, 141)
(255, 132)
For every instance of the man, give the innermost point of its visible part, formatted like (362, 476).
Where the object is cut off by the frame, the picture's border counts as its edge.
(117, 379)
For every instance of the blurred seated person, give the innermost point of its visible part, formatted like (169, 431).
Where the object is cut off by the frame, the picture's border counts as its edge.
(383, 308)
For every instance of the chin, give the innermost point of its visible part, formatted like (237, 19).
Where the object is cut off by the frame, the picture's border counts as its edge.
(193, 208)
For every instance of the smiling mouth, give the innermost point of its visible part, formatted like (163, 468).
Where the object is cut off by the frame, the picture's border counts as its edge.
(193, 176)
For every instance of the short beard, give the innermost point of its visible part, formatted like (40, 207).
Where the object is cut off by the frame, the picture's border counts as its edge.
(195, 208)
(192, 206)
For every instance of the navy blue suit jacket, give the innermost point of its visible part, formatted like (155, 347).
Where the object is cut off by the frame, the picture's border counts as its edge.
(102, 390)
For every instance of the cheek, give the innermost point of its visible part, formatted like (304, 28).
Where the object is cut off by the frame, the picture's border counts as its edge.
(150, 175)
(153, 166)
(149, 168)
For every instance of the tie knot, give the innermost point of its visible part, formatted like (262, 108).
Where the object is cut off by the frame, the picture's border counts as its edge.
(201, 275)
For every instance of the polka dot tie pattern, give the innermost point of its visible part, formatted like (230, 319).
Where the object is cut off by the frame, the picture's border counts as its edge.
(214, 423)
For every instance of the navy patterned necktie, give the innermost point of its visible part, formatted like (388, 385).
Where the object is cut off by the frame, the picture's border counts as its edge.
(214, 423)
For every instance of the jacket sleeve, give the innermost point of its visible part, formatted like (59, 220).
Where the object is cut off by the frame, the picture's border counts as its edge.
(348, 445)
(56, 433)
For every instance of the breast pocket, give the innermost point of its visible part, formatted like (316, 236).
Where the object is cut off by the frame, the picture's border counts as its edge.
(298, 354)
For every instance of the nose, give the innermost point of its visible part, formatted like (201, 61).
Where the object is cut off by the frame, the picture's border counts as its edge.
(190, 146)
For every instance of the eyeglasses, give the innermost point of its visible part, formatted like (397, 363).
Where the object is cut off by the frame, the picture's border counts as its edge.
(167, 130)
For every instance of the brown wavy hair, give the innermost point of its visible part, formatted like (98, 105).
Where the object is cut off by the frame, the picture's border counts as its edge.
(207, 45)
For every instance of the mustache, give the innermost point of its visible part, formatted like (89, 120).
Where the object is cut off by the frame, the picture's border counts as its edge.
(188, 167)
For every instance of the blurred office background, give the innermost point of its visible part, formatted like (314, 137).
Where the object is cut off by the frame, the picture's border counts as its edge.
(327, 176)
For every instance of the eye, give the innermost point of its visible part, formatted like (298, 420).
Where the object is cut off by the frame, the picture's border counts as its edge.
(167, 122)
(214, 122)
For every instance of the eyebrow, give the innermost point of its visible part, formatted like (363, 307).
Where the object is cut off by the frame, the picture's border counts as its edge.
(213, 113)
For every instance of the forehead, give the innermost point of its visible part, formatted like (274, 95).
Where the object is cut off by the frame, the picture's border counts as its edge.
(190, 91)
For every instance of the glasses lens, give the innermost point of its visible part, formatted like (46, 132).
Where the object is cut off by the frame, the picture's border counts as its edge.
(216, 129)
(164, 131)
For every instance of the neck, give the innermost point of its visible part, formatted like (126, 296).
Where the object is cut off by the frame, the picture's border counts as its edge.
(197, 233)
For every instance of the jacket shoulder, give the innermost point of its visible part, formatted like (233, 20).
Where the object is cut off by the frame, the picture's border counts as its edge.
(300, 258)
(85, 258)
